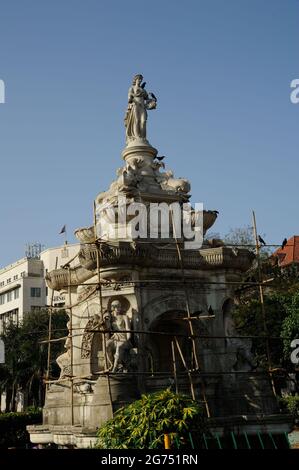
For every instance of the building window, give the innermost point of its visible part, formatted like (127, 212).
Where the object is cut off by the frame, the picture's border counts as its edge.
(35, 308)
(2, 299)
(8, 317)
(23, 274)
(35, 291)
(1, 283)
(15, 316)
(15, 277)
(9, 296)
(16, 294)
(8, 280)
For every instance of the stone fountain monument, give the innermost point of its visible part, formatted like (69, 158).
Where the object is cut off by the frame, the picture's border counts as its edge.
(132, 295)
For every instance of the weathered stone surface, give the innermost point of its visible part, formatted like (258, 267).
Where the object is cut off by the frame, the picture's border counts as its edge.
(143, 278)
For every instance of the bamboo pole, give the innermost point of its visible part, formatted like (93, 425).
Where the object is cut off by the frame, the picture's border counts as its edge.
(204, 317)
(174, 368)
(50, 329)
(157, 333)
(71, 338)
(167, 442)
(155, 374)
(186, 367)
(67, 379)
(192, 283)
(261, 292)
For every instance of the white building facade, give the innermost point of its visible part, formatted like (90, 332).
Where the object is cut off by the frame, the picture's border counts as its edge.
(23, 287)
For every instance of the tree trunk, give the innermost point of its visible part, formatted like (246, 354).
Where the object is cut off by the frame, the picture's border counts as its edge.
(8, 400)
(13, 399)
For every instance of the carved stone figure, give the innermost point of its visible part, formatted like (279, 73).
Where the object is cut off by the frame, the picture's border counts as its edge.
(119, 344)
(180, 185)
(156, 168)
(138, 103)
(134, 164)
(93, 324)
(64, 360)
(244, 356)
(126, 177)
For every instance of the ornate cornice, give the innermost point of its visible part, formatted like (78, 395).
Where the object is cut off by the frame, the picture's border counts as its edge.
(148, 256)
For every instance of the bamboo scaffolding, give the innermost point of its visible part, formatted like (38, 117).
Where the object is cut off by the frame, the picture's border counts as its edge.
(189, 322)
(163, 374)
(50, 329)
(187, 283)
(261, 292)
(187, 370)
(169, 242)
(170, 282)
(99, 286)
(164, 333)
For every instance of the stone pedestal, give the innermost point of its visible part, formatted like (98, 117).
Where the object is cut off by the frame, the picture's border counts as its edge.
(140, 157)
(114, 392)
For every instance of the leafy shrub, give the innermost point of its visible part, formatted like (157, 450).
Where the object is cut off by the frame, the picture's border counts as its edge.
(13, 427)
(291, 405)
(142, 424)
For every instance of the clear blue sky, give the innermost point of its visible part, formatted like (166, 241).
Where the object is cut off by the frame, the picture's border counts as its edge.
(221, 71)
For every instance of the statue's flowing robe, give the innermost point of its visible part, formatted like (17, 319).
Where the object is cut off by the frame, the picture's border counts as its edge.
(136, 116)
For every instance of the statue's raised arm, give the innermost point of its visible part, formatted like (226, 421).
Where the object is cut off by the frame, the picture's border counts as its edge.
(138, 103)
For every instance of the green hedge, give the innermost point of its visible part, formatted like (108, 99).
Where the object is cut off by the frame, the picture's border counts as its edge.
(13, 428)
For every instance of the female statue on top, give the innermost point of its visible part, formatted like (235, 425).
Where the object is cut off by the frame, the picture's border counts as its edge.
(138, 103)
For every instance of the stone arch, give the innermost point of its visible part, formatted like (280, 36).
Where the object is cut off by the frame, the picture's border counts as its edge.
(165, 314)
(158, 347)
(159, 305)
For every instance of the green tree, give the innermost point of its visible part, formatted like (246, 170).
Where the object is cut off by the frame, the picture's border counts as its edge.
(142, 424)
(249, 321)
(26, 356)
(280, 289)
(290, 325)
